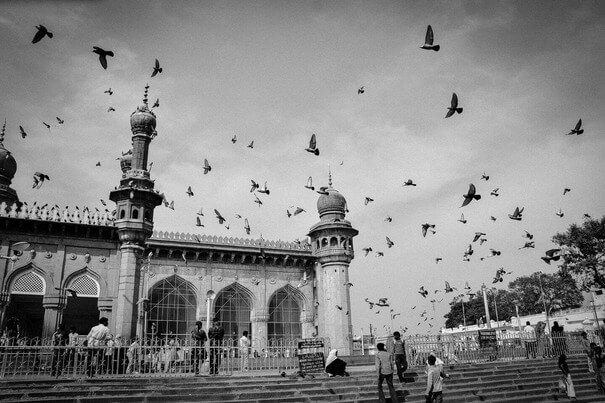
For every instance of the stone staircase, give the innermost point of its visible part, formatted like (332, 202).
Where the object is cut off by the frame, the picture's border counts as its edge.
(514, 381)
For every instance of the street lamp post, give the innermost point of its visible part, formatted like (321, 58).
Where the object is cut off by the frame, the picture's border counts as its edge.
(518, 318)
(496, 305)
(543, 300)
(210, 295)
(487, 317)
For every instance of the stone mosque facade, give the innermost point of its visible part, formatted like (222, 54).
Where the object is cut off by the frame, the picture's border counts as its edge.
(120, 268)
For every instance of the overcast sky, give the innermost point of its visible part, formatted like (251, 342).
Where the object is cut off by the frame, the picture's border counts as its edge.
(274, 72)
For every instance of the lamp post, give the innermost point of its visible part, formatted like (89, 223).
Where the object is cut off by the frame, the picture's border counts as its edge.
(543, 300)
(516, 302)
(143, 302)
(495, 291)
(487, 317)
(461, 298)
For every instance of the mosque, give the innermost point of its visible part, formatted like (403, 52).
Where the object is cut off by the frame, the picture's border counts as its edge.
(74, 266)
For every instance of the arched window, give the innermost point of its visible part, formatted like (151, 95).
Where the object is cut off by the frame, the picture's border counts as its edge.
(30, 283)
(173, 306)
(82, 311)
(284, 316)
(232, 307)
(122, 214)
(333, 241)
(324, 242)
(25, 310)
(85, 286)
(135, 213)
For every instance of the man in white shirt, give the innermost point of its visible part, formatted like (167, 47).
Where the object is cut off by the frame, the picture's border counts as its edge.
(244, 350)
(530, 340)
(95, 339)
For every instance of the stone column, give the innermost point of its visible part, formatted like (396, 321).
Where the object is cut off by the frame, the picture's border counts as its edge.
(259, 329)
(4, 301)
(53, 311)
(128, 291)
(105, 306)
(308, 323)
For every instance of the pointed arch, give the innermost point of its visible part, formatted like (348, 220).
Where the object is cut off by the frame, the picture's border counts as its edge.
(30, 267)
(83, 287)
(27, 286)
(285, 308)
(173, 305)
(233, 306)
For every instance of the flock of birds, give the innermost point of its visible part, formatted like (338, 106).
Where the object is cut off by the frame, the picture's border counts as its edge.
(261, 188)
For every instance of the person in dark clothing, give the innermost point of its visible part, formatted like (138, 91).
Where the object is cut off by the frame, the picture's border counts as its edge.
(400, 357)
(199, 352)
(558, 339)
(335, 366)
(215, 335)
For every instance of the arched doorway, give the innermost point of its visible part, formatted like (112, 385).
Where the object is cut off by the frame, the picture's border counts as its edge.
(233, 306)
(82, 311)
(173, 306)
(25, 313)
(284, 316)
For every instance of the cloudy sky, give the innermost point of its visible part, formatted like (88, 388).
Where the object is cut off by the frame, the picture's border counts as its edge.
(274, 72)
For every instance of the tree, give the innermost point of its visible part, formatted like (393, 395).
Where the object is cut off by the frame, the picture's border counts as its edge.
(559, 292)
(474, 308)
(583, 253)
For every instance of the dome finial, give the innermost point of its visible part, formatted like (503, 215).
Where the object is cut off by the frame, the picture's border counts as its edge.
(145, 96)
(329, 176)
(2, 133)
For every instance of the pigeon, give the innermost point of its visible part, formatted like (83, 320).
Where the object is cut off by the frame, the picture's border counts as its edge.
(366, 251)
(428, 40)
(587, 216)
(470, 195)
(254, 186)
(189, 191)
(156, 68)
(41, 33)
(551, 254)
(560, 213)
(309, 184)
(438, 259)
(98, 164)
(207, 168)
(389, 242)
(466, 286)
(423, 292)
(361, 90)
(323, 190)
(234, 139)
(368, 200)
(495, 252)
(484, 176)
(247, 226)
(264, 189)
(528, 245)
(339, 307)
(577, 130)
(156, 104)
(566, 190)
(171, 205)
(251, 145)
(23, 134)
(47, 125)
(288, 213)
(495, 192)
(409, 182)
(382, 302)
(59, 120)
(313, 145)
(198, 222)
(425, 228)
(103, 202)
(348, 284)
(491, 217)
(388, 219)
(448, 288)
(379, 254)
(220, 218)
(72, 292)
(462, 220)
(39, 179)
(482, 240)
(109, 91)
(238, 216)
(528, 235)
(111, 109)
(469, 251)
(102, 55)
(454, 106)
(257, 200)
(298, 210)
(478, 235)
(200, 212)
(517, 215)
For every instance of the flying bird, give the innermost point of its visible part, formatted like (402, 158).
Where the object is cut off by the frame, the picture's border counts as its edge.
(448, 288)
(198, 222)
(313, 145)
(98, 164)
(234, 139)
(247, 226)
(59, 120)
(528, 235)
(47, 125)
(257, 200)
(462, 220)
(517, 215)
(189, 191)
(207, 168)
(528, 245)
(551, 254)
(566, 190)
(156, 68)
(577, 130)
(560, 213)
(454, 106)
(253, 186)
(200, 212)
(495, 192)
(102, 55)
(470, 195)
(409, 182)
(491, 217)
(423, 292)
(438, 259)
(366, 251)
(428, 40)
(388, 219)
(156, 104)
(109, 91)
(220, 218)
(309, 184)
(379, 254)
(264, 189)
(425, 228)
(361, 90)
(39, 179)
(111, 109)
(495, 252)
(469, 251)
(389, 242)
(478, 235)
(23, 134)
(484, 176)
(41, 33)
(298, 210)
(251, 145)
(368, 200)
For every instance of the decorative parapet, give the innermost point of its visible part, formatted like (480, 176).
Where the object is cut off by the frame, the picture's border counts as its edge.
(56, 214)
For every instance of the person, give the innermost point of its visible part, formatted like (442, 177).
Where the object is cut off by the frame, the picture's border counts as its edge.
(73, 344)
(434, 382)
(384, 370)
(565, 382)
(94, 340)
(215, 335)
(244, 350)
(401, 361)
(199, 349)
(133, 356)
(59, 340)
(530, 340)
(334, 365)
(587, 350)
(599, 360)
(540, 339)
(107, 361)
(558, 339)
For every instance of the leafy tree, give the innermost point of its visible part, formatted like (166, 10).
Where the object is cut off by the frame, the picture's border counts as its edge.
(583, 253)
(474, 308)
(560, 292)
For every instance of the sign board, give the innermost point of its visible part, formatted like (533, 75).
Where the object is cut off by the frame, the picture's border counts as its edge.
(311, 362)
(310, 343)
(487, 338)
(357, 345)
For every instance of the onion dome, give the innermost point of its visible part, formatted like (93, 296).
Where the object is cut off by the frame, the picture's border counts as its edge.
(126, 162)
(8, 165)
(331, 203)
(143, 119)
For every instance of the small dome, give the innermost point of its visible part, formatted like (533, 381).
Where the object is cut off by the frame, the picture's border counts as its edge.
(8, 165)
(142, 121)
(333, 202)
(126, 162)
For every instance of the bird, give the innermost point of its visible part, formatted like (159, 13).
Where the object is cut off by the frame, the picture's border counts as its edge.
(425, 228)
(423, 292)
(309, 184)
(220, 218)
(339, 307)
(247, 226)
(577, 130)
(41, 33)
(156, 104)
(200, 212)
(551, 254)
(288, 213)
(368, 200)
(517, 215)
(264, 189)
(348, 284)
(361, 90)
(438, 259)
(409, 182)
(298, 210)
(251, 145)
(478, 235)
(560, 213)
(171, 205)
(491, 217)
(72, 292)
(207, 168)
(189, 191)
(234, 139)
(586, 216)
(466, 286)
(254, 186)
(566, 190)
(238, 216)
(103, 202)
(313, 145)
(389, 242)
(484, 176)
(470, 195)
(198, 222)
(528, 245)
(366, 250)
(47, 125)
(462, 220)
(388, 219)
(469, 251)
(495, 192)
(59, 120)
(39, 179)
(111, 109)
(453, 108)
(448, 288)
(495, 252)
(156, 68)
(428, 40)
(379, 254)
(528, 235)
(323, 190)
(102, 55)
(109, 91)
(98, 164)
(23, 133)
(257, 200)
(382, 302)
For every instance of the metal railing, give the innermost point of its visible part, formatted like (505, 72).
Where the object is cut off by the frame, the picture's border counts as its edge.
(161, 357)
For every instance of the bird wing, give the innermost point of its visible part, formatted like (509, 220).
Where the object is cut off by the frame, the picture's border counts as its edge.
(312, 142)
(428, 39)
(157, 64)
(39, 35)
(450, 112)
(454, 101)
(578, 125)
(310, 182)
(103, 60)
(471, 190)
(466, 201)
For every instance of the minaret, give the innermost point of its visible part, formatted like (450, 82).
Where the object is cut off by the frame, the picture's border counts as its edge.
(135, 201)
(8, 168)
(332, 244)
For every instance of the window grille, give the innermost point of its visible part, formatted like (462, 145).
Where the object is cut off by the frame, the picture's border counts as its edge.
(233, 306)
(173, 306)
(85, 286)
(284, 316)
(30, 283)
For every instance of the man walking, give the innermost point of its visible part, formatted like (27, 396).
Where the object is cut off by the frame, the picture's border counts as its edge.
(244, 350)
(199, 341)
(400, 357)
(530, 340)
(384, 370)
(215, 335)
(95, 340)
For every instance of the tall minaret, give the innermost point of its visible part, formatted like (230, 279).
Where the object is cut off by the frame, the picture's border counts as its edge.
(135, 199)
(8, 168)
(332, 244)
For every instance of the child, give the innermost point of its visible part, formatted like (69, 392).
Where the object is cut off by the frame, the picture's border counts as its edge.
(565, 382)
(434, 384)
(384, 370)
